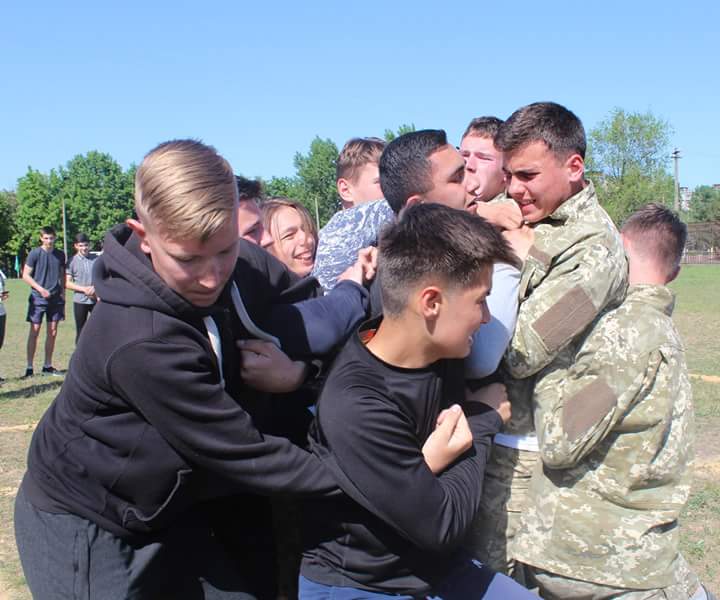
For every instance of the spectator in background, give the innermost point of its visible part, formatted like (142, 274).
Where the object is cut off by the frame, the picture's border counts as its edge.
(250, 222)
(44, 272)
(3, 297)
(366, 213)
(294, 234)
(79, 280)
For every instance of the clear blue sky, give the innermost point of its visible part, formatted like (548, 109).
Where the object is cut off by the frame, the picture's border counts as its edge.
(259, 80)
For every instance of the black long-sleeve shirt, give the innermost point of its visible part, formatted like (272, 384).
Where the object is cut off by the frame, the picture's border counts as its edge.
(400, 526)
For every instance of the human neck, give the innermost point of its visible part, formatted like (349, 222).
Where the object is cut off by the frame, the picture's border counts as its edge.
(640, 273)
(400, 343)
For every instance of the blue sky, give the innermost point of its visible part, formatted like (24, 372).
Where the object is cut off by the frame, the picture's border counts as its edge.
(259, 80)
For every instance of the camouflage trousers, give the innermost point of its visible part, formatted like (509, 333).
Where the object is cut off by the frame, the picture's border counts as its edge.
(505, 490)
(556, 587)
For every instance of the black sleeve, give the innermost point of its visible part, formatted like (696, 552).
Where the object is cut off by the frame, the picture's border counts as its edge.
(182, 398)
(375, 453)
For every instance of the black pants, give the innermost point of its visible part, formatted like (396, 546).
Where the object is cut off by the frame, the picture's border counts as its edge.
(67, 557)
(3, 318)
(81, 311)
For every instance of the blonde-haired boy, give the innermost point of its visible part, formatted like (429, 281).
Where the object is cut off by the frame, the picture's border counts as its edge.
(150, 425)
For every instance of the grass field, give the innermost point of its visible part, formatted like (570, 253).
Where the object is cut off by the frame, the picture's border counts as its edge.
(22, 403)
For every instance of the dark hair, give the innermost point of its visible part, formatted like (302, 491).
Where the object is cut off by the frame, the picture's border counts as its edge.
(431, 240)
(483, 127)
(660, 233)
(47, 230)
(81, 238)
(356, 153)
(248, 189)
(404, 166)
(548, 122)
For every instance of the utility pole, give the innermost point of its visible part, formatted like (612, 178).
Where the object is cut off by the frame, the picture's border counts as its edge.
(676, 156)
(64, 222)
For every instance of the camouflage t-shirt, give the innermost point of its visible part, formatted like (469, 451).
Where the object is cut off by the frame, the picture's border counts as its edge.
(344, 235)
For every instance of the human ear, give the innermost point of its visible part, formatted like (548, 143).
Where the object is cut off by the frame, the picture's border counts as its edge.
(343, 188)
(576, 167)
(140, 231)
(431, 299)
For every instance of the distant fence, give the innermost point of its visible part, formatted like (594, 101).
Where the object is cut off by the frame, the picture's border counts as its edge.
(701, 258)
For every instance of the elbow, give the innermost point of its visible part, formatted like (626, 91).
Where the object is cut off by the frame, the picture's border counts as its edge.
(558, 458)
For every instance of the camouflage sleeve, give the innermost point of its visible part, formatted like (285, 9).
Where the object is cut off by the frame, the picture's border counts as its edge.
(571, 294)
(576, 408)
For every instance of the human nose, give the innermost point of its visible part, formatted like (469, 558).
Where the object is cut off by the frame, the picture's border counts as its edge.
(515, 188)
(212, 275)
(486, 316)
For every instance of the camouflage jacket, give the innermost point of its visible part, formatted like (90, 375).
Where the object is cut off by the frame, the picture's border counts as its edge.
(615, 429)
(576, 269)
(344, 235)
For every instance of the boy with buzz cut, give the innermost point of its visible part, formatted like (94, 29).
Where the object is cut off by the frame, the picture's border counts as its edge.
(364, 215)
(154, 422)
(615, 430)
(409, 500)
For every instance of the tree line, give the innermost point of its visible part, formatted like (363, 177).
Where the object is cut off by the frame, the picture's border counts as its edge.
(628, 158)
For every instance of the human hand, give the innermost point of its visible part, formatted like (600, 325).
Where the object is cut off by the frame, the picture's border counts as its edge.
(363, 270)
(267, 368)
(495, 396)
(504, 216)
(521, 240)
(89, 291)
(44, 293)
(452, 437)
(4, 296)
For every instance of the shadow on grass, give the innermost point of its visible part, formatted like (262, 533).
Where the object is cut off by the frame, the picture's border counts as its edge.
(30, 391)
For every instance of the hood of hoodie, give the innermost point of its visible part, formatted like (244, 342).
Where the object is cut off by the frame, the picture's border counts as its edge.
(124, 275)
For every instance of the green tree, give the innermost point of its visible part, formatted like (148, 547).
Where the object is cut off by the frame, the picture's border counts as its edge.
(8, 208)
(628, 156)
(390, 135)
(316, 172)
(38, 205)
(97, 194)
(705, 204)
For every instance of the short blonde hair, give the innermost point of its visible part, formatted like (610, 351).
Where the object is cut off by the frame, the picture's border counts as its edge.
(186, 189)
(270, 208)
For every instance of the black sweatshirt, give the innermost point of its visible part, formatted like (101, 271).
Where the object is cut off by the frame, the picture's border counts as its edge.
(400, 529)
(142, 429)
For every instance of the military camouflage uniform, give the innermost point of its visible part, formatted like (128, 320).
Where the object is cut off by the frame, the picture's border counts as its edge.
(344, 235)
(615, 429)
(575, 270)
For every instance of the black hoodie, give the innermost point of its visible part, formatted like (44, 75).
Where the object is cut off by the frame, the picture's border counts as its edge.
(142, 428)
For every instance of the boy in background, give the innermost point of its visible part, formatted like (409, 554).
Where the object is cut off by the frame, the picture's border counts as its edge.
(79, 280)
(365, 212)
(615, 430)
(398, 531)
(44, 272)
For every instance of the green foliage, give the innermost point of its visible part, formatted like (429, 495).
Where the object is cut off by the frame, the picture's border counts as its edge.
(314, 182)
(621, 197)
(705, 204)
(316, 171)
(97, 193)
(626, 142)
(38, 205)
(390, 135)
(8, 208)
(628, 155)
